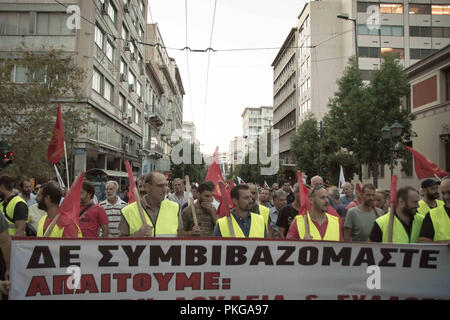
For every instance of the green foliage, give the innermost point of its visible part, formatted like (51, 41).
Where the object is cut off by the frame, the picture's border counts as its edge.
(196, 172)
(29, 109)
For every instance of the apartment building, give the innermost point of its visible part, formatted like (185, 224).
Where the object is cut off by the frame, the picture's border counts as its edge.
(255, 121)
(126, 92)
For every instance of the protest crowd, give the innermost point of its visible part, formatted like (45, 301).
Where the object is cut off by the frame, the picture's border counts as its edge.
(208, 209)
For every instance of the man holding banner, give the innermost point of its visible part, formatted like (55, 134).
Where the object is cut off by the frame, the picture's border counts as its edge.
(242, 223)
(407, 224)
(322, 225)
(161, 216)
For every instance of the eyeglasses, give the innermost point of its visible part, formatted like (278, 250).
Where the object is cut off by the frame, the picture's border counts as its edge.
(316, 187)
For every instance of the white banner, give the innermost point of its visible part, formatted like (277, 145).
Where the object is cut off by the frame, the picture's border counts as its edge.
(217, 269)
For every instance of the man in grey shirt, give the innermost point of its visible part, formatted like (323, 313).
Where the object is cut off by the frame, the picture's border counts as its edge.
(359, 220)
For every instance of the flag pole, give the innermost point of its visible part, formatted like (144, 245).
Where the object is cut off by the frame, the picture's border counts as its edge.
(67, 166)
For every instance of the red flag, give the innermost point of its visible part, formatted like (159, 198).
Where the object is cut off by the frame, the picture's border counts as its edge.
(215, 175)
(393, 199)
(55, 150)
(305, 204)
(224, 207)
(70, 207)
(424, 167)
(131, 198)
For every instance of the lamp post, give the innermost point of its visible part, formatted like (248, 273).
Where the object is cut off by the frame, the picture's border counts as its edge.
(345, 16)
(391, 133)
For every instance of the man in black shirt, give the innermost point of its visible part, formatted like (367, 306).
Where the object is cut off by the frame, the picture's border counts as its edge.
(287, 188)
(436, 225)
(287, 214)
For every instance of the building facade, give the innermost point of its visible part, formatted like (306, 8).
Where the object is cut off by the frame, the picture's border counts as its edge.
(410, 29)
(124, 89)
(255, 121)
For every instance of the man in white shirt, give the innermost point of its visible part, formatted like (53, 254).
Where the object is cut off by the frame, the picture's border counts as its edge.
(179, 195)
(112, 205)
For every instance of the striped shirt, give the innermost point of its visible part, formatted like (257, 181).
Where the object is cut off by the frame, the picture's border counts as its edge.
(114, 215)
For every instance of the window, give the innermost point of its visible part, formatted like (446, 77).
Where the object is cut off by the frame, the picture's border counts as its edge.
(138, 88)
(102, 86)
(420, 31)
(112, 12)
(398, 52)
(129, 109)
(419, 8)
(440, 32)
(447, 83)
(109, 51)
(97, 81)
(19, 74)
(443, 9)
(98, 37)
(137, 118)
(364, 7)
(125, 33)
(108, 94)
(421, 53)
(364, 30)
(122, 103)
(141, 33)
(391, 8)
(142, 6)
(131, 78)
(123, 67)
(369, 52)
(392, 31)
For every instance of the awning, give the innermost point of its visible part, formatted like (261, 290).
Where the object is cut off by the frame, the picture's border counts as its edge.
(109, 173)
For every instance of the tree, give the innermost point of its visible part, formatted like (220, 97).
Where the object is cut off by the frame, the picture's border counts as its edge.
(28, 107)
(196, 172)
(359, 112)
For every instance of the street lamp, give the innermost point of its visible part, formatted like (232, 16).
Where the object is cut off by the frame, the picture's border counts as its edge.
(345, 16)
(391, 133)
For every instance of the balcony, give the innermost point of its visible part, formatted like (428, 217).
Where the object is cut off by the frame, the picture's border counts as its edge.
(154, 115)
(156, 152)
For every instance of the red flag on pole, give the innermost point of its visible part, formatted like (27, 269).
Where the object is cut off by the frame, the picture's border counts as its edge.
(70, 207)
(424, 167)
(131, 198)
(305, 204)
(55, 150)
(224, 206)
(393, 199)
(214, 174)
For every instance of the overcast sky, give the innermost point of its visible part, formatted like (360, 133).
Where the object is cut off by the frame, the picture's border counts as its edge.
(236, 79)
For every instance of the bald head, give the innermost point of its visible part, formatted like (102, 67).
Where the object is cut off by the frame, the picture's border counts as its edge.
(445, 190)
(316, 180)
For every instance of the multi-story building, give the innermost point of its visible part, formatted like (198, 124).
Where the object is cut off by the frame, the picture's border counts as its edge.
(409, 29)
(224, 166)
(237, 151)
(255, 121)
(129, 96)
(189, 132)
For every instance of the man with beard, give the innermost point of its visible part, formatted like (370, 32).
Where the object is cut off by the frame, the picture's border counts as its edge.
(26, 194)
(322, 225)
(48, 199)
(162, 218)
(430, 196)
(436, 225)
(205, 212)
(257, 207)
(359, 220)
(407, 223)
(113, 205)
(13, 207)
(245, 224)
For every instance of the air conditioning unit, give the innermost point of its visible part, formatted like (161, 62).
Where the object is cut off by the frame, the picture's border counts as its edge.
(126, 8)
(131, 87)
(125, 117)
(123, 77)
(126, 147)
(129, 120)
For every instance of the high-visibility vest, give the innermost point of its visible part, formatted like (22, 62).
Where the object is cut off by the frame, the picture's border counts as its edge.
(399, 234)
(333, 228)
(441, 223)
(12, 229)
(424, 208)
(166, 222)
(257, 227)
(57, 232)
(264, 212)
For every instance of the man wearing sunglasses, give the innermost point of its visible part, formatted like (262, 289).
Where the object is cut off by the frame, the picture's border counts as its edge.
(436, 225)
(322, 225)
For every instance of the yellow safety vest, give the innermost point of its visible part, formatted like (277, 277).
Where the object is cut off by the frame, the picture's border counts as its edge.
(399, 234)
(166, 222)
(10, 213)
(333, 228)
(57, 232)
(424, 208)
(441, 223)
(257, 227)
(264, 212)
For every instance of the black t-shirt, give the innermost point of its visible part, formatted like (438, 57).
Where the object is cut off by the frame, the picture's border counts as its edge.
(427, 230)
(285, 217)
(20, 211)
(290, 198)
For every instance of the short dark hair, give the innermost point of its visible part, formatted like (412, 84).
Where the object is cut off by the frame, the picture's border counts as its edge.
(204, 187)
(89, 188)
(404, 193)
(234, 193)
(53, 191)
(368, 186)
(7, 182)
(210, 183)
(22, 182)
